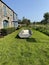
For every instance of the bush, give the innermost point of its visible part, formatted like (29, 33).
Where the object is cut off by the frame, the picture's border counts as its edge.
(42, 29)
(10, 30)
(3, 32)
(7, 31)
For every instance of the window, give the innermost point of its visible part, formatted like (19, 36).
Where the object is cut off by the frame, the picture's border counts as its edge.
(5, 24)
(15, 24)
(5, 12)
(15, 17)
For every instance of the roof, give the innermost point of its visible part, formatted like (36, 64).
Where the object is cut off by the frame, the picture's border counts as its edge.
(8, 6)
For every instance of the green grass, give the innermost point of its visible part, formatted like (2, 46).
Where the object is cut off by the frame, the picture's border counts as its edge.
(32, 51)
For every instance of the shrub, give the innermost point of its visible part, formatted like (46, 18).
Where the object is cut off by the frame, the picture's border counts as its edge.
(42, 29)
(3, 32)
(10, 30)
(7, 31)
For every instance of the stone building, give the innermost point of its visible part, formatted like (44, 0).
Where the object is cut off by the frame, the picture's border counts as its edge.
(8, 18)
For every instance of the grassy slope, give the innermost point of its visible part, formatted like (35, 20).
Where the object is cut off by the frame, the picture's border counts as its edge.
(33, 51)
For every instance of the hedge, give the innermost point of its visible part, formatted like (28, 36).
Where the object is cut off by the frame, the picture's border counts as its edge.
(7, 31)
(42, 29)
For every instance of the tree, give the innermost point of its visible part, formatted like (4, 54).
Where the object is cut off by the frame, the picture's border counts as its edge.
(46, 18)
(28, 22)
(43, 22)
(25, 21)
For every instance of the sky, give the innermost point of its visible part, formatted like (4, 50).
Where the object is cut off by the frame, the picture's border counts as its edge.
(30, 9)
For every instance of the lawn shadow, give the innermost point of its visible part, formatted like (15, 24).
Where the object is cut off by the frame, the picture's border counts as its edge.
(17, 37)
(31, 40)
(1, 36)
(27, 39)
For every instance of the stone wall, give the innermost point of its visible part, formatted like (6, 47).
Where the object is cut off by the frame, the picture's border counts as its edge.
(8, 17)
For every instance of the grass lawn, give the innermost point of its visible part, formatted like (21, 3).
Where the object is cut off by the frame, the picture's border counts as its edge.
(32, 51)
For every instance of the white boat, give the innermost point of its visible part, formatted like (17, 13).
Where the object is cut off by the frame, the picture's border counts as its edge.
(25, 33)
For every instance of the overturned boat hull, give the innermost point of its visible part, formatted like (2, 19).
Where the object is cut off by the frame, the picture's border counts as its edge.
(25, 34)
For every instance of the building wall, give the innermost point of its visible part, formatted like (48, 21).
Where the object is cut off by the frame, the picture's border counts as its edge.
(6, 14)
(0, 15)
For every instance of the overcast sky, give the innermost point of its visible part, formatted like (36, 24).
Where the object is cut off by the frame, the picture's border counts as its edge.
(31, 9)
